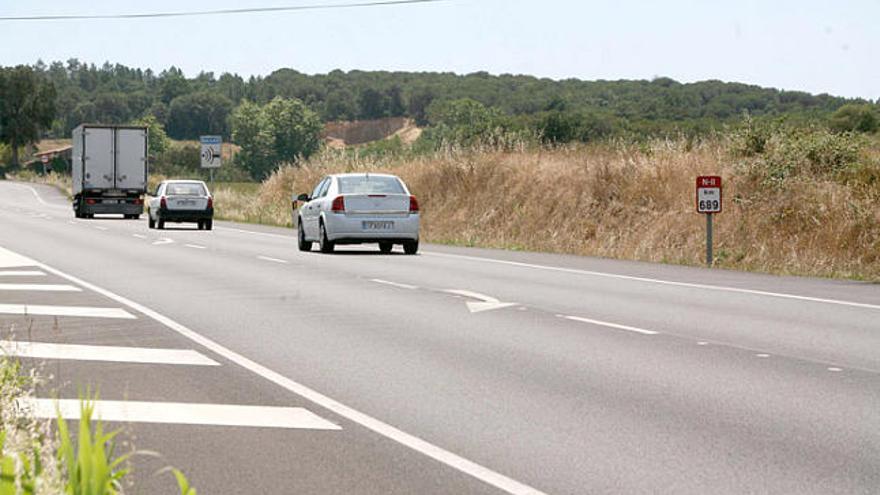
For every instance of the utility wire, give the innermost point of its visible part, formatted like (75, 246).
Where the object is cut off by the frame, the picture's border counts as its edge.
(253, 10)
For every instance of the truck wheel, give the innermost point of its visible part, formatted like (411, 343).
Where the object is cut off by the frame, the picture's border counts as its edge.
(150, 222)
(209, 224)
(161, 224)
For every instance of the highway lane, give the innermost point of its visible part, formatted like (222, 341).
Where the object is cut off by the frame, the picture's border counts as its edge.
(567, 391)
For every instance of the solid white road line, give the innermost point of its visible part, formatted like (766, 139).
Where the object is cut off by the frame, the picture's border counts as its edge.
(163, 241)
(22, 273)
(183, 413)
(486, 303)
(8, 259)
(435, 452)
(394, 284)
(273, 260)
(84, 311)
(611, 325)
(194, 246)
(40, 287)
(42, 350)
(139, 236)
(689, 285)
(35, 193)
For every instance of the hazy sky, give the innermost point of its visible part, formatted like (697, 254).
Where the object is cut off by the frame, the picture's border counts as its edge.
(816, 46)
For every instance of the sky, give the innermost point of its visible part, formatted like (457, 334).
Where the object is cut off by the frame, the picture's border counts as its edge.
(808, 45)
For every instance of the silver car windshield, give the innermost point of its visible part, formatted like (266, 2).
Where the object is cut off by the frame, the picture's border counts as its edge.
(370, 185)
(185, 189)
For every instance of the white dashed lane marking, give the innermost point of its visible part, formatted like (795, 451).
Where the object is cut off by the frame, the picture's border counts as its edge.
(272, 260)
(610, 325)
(394, 284)
(139, 236)
(183, 413)
(40, 287)
(22, 273)
(83, 311)
(40, 350)
(194, 246)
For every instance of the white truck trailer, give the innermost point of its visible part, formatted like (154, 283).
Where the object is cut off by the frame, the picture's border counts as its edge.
(109, 170)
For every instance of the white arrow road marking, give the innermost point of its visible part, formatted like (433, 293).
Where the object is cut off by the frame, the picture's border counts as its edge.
(84, 311)
(610, 325)
(41, 287)
(486, 303)
(22, 273)
(183, 413)
(163, 241)
(40, 350)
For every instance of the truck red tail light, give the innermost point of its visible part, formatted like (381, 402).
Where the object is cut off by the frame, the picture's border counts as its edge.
(338, 205)
(138, 201)
(91, 201)
(163, 203)
(413, 204)
(210, 202)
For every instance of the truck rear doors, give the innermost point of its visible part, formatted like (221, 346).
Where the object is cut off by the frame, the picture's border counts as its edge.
(131, 159)
(98, 158)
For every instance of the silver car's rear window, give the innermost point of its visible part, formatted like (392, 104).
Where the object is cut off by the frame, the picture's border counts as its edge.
(370, 185)
(185, 189)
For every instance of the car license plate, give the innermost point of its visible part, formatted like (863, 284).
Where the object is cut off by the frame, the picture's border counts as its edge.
(110, 201)
(186, 202)
(378, 225)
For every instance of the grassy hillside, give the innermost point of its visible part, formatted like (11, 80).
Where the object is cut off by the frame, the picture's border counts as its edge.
(807, 206)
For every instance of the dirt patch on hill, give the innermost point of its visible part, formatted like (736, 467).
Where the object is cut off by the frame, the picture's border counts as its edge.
(339, 134)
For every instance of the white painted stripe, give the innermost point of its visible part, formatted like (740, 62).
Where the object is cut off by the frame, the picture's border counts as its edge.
(76, 352)
(163, 241)
(195, 246)
(22, 273)
(139, 236)
(84, 311)
(8, 259)
(659, 281)
(472, 295)
(183, 413)
(273, 260)
(40, 287)
(36, 194)
(435, 452)
(251, 232)
(100, 227)
(394, 284)
(611, 325)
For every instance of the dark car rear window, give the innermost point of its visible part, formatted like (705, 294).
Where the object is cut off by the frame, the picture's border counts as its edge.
(370, 185)
(185, 189)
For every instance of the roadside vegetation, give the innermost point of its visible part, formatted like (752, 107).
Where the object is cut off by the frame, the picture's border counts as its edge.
(44, 457)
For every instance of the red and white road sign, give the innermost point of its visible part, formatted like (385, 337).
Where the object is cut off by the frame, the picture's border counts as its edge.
(709, 194)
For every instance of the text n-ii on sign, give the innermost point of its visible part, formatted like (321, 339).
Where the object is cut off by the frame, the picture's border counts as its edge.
(709, 202)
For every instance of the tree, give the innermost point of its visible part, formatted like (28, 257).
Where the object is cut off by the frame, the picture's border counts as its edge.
(855, 118)
(27, 106)
(197, 114)
(464, 121)
(282, 131)
(156, 137)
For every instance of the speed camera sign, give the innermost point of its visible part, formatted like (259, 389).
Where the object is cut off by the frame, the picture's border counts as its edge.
(211, 151)
(709, 194)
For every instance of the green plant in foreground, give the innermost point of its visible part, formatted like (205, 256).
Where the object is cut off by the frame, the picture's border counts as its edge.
(91, 467)
(182, 482)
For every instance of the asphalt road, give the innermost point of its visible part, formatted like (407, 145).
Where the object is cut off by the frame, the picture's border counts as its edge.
(454, 371)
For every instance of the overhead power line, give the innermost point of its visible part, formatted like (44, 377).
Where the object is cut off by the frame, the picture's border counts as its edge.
(249, 10)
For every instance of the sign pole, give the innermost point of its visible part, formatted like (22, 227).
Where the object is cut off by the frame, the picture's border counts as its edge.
(211, 170)
(709, 257)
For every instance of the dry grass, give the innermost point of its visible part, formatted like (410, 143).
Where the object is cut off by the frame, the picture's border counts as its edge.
(623, 201)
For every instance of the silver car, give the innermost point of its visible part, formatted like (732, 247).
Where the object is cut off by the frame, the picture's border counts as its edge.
(359, 209)
(181, 201)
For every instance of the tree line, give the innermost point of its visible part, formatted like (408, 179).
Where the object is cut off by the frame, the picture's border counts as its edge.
(50, 100)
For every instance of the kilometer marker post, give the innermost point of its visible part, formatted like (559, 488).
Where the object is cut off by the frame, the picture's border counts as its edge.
(709, 202)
